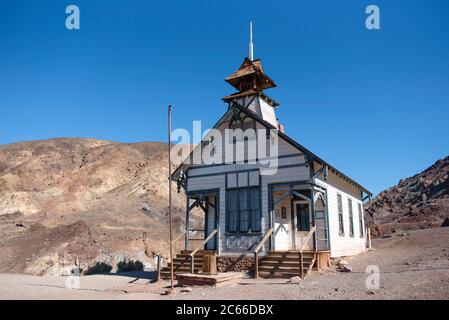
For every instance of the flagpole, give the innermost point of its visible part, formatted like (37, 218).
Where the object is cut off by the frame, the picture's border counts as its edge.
(169, 198)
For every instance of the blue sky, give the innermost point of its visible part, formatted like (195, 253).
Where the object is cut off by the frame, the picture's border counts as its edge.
(374, 103)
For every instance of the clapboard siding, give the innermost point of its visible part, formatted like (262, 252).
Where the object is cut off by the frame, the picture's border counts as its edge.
(284, 147)
(214, 177)
(342, 245)
(217, 169)
(206, 183)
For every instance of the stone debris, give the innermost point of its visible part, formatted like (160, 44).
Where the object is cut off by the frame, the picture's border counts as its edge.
(235, 263)
(342, 262)
(295, 279)
(445, 223)
(345, 268)
(166, 292)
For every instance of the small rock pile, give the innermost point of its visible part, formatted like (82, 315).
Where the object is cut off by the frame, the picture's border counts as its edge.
(235, 263)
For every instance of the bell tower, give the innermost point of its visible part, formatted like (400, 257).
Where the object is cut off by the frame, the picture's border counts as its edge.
(250, 80)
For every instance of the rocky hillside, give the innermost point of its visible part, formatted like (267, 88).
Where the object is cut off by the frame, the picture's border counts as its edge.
(418, 202)
(67, 200)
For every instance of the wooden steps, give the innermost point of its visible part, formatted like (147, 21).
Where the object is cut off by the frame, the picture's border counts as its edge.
(285, 264)
(181, 263)
(216, 280)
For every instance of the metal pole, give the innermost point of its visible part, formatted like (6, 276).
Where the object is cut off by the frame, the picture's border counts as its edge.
(169, 197)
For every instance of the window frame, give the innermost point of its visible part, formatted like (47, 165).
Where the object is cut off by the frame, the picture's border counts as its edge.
(250, 211)
(299, 221)
(228, 211)
(361, 224)
(341, 225)
(351, 218)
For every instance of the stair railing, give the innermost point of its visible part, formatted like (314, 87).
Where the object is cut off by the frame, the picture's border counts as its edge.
(257, 249)
(203, 243)
(301, 257)
(159, 255)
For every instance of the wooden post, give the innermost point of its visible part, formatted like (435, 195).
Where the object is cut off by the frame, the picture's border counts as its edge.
(186, 238)
(256, 265)
(158, 274)
(192, 265)
(169, 199)
(301, 265)
(369, 238)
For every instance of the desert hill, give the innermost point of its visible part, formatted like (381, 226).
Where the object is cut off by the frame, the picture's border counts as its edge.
(418, 202)
(83, 199)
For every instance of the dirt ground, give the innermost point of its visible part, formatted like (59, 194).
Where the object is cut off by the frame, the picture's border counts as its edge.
(411, 266)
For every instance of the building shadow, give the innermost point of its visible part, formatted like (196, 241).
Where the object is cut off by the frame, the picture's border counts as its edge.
(137, 275)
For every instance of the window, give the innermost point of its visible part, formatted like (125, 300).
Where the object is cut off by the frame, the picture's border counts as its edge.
(302, 217)
(340, 215)
(351, 218)
(233, 212)
(243, 210)
(255, 210)
(361, 220)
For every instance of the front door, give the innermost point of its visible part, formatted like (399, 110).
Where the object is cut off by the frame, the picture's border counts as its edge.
(211, 221)
(302, 216)
(282, 227)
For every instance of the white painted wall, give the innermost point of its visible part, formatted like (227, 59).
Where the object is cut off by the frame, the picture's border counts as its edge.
(343, 245)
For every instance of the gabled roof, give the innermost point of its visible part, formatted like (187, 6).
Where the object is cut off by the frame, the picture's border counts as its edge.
(268, 125)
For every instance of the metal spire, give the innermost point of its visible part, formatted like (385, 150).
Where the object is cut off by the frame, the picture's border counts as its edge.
(251, 49)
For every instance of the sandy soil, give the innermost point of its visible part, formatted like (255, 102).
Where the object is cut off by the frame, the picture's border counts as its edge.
(412, 266)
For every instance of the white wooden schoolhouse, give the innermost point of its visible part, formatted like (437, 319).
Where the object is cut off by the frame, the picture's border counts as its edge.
(296, 216)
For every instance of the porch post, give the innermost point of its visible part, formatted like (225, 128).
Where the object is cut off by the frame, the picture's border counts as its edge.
(186, 236)
(271, 215)
(292, 216)
(217, 205)
(312, 191)
(327, 222)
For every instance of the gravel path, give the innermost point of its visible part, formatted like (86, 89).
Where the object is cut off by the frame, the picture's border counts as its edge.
(411, 266)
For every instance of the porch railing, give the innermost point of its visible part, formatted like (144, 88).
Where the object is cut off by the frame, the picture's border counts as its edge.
(159, 255)
(257, 249)
(203, 243)
(301, 257)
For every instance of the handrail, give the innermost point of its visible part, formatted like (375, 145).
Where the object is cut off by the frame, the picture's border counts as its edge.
(301, 258)
(192, 254)
(159, 255)
(257, 249)
(307, 238)
(264, 239)
(168, 246)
